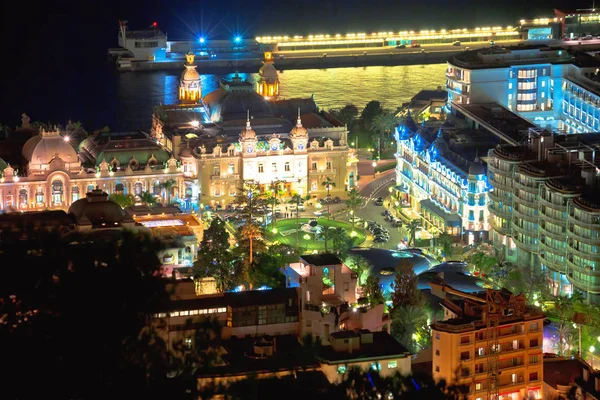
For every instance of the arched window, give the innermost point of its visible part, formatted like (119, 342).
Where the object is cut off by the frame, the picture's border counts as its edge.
(137, 188)
(90, 188)
(23, 198)
(57, 192)
(157, 188)
(75, 193)
(119, 188)
(39, 196)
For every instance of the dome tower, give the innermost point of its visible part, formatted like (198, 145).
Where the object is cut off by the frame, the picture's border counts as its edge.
(268, 83)
(248, 139)
(299, 135)
(190, 90)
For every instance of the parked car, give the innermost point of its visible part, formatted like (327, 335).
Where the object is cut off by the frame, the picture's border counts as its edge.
(457, 43)
(493, 42)
(401, 46)
(414, 45)
(587, 37)
(355, 219)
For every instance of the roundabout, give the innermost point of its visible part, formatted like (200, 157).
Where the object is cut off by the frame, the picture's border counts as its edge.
(310, 232)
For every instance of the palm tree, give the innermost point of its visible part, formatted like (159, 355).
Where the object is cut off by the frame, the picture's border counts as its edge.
(353, 201)
(168, 185)
(444, 241)
(360, 266)
(412, 227)
(272, 199)
(564, 337)
(251, 232)
(297, 200)
(147, 198)
(328, 184)
(124, 200)
(384, 123)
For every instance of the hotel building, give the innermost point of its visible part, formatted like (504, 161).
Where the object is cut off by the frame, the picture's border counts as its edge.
(545, 210)
(491, 342)
(440, 176)
(556, 89)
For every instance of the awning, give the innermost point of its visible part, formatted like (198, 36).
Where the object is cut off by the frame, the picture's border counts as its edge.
(450, 219)
(402, 188)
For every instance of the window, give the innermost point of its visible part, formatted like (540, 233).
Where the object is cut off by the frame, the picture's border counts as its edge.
(534, 326)
(478, 386)
(313, 185)
(510, 96)
(232, 190)
(57, 192)
(119, 188)
(533, 343)
(464, 355)
(346, 287)
(328, 164)
(261, 168)
(75, 193)
(137, 188)
(217, 191)
(314, 166)
(437, 352)
(287, 166)
(510, 85)
(437, 336)
(514, 378)
(465, 340)
(274, 167)
(480, 352)
(231, 169)
(437, 368)
(392, 364)
(543, 84)
(23, 198)
(216, 170)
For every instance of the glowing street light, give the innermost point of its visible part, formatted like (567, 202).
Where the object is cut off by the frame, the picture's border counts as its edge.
(274, 230)
(237, 39)
(374, 163)
(201, 40)
(66, 138)
(195, 123)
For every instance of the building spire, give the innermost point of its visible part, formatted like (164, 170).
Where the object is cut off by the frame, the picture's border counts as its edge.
(299, 121)
(248, 120)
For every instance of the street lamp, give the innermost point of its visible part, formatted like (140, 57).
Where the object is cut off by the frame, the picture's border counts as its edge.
(374, 163)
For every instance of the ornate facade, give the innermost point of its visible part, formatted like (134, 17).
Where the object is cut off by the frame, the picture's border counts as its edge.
(447, 186)
(54, 175)
(268, 82)
(189, 85)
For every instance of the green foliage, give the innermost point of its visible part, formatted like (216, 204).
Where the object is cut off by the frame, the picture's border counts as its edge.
(385, 167)
(412, 227)
(406, 292)
(123, 200)
(341, 241)
(444, 242)
(371, 110)
(360, 266)
(214, 257)
(168, 186)
(147, 198)
(372, 291)
(345, 115)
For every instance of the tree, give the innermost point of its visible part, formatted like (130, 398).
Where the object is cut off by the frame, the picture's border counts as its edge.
(444, 242)
(371, 110)
(147, 198)
(354, 200)
(360, 266)
(346, 114)
(383, 124)
(328, 184)
(249, 193)
(412, 227)
(168, 185)
(341, 242)
(251, 232)
(482, 263)
(372, 290)
(408, 325)
(405, 286)
(124, 200)
(297, 200)
(214, 256)
(273, 198)
(267, 271)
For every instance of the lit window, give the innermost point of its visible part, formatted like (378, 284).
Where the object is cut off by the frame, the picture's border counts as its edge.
(194, 312)
(510, 85)
(478, 386)
(543, 83)
(174, 314)
(287, 167)
(222, 309)
(184, 313)
(231, 169)
(510, 96)
(393, 364)
(212, 310)
(341, 369)
(261, 168)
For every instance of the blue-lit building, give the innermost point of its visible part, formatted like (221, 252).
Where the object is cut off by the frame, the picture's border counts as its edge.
(440, 176)
(554, 88)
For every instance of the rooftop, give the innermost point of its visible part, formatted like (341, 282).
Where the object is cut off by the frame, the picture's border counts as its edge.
(383, 346)
(500, 121)
(562, 371)
(320, 260)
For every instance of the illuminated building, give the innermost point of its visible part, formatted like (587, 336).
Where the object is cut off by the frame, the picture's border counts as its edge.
(325, 283)
(545, 210)
(268, 82)
(235, 134)
(383, 39)
(189, 86)
(46, 172)
(553, 88)
(579, 22)
(443, 180)
(490, 341)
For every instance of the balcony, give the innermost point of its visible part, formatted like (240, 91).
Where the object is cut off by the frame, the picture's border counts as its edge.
(552, 205)
(526, 217)
(586, 271)
(331, 171)
(582, 254)
(558, 236)
(523, 245)
(524, 231)
(530, 203)
(584, 239)
(496, 184)
(500, 211)
(528, 189)
(499, 171)
(584, 286)
(585, 224)
(554, 220)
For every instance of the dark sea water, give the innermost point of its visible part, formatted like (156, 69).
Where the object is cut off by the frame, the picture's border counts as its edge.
(124, 101)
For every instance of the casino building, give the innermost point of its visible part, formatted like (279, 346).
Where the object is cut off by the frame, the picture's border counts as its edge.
(198, 151)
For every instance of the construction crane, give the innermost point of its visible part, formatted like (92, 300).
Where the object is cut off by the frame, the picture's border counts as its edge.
(491, 308)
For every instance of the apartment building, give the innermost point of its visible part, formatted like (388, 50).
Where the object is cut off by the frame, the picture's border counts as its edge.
(554, 88)
(489, 341)
(545, 210)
